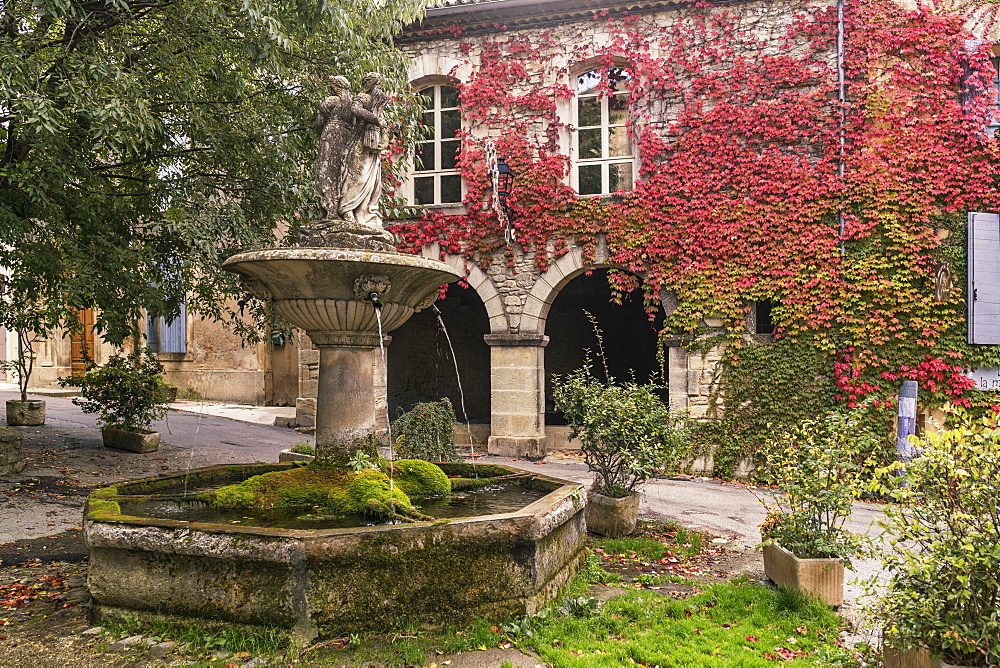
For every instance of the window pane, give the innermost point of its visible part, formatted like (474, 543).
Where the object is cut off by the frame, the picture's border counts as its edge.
(428, 121)
(451, 188)
(449, 97)
(588, 81)
(425, 156)
(618, 143)
(449, 153)
(423, 189)
(428, 95)
(588, 111)
(590, 179)
(590, 143)
(450, 122)
(618, 109)
(621, 176)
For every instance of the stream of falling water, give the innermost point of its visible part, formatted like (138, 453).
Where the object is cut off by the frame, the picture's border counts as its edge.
(385, 378)
(461, 393)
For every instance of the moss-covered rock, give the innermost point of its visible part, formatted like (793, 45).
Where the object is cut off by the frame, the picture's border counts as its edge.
(367, 491)
(419, 478)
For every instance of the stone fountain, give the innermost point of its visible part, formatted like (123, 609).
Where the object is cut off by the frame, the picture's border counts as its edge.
(342, 281)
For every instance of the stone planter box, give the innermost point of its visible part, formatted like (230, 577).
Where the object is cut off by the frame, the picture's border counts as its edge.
(917, 657)
(11, 456)
(822, 578)
(612, 517)
(30, 413)
(131, 441)
(325, 583)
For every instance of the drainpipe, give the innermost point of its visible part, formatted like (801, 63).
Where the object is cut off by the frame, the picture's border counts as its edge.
(842, 99)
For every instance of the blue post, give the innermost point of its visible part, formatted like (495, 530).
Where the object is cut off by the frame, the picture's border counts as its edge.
(907, 421)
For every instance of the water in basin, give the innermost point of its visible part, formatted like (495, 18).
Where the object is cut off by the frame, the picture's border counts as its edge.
(496, 498)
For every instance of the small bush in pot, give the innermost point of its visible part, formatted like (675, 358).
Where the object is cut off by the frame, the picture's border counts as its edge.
(127, 392)
(943, 592)
(819, 469)
(626, 433)
(30, 321)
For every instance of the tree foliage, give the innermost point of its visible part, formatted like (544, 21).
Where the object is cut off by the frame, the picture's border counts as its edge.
(145, 140)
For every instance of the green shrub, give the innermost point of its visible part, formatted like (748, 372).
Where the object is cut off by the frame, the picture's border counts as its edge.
(626, 432)
(427, 432)
(127, 391)
(303, 448)
(944, 564)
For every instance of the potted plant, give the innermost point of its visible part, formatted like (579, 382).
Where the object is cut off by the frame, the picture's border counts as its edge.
(129, 395)
(816, 467)
(942, 600)
(627, 435)
(24, 412)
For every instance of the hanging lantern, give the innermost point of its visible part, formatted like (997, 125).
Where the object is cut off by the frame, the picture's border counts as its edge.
(504, 181)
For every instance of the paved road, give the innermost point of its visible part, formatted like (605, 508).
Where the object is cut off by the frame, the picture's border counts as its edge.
(40, 509)
(65, 459)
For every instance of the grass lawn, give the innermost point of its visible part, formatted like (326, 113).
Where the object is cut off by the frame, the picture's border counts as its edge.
(654, 615)
(660, 598)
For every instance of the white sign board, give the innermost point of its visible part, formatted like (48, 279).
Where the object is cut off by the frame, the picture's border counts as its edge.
(987, 378)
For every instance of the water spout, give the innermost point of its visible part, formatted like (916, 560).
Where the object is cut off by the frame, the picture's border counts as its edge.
(458, 379)
(385, 373)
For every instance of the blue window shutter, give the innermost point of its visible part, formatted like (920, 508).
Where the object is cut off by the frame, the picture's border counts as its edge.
(173, 337)
(984, 278)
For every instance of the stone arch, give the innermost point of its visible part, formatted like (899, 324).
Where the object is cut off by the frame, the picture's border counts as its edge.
(560, 272)
(478, 281)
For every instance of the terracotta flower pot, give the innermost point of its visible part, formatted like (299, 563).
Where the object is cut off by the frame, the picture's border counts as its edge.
(30, 413)
(131, 441)
(822, 578)
(612, 517)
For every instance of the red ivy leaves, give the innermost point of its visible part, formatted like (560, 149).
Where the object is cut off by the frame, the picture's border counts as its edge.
(736, 123)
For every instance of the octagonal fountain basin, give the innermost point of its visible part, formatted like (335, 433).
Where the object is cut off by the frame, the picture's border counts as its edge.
(316, 583)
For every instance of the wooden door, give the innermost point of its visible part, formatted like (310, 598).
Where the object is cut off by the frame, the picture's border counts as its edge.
(285, 372)
(82, 343)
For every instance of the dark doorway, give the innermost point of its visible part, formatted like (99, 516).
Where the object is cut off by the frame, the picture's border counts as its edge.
(420, 366)
(630, 338)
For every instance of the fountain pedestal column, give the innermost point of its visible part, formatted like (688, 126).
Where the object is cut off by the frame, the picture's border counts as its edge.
(345, 411)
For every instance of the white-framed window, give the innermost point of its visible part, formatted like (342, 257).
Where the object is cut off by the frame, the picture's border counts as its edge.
(604, 155)
(436, 179)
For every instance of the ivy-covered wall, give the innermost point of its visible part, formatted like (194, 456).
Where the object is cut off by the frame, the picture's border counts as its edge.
(754, 183)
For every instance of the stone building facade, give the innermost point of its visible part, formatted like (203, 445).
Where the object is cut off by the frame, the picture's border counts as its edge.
(516, 295)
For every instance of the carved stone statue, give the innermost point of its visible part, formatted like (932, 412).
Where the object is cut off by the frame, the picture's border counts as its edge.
(352, 138)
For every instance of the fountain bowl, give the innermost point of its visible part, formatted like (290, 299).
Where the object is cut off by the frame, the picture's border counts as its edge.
(325, 583)
(328, 289)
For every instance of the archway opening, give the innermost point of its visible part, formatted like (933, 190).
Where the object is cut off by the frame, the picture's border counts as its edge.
(420, 366)
(629, 337)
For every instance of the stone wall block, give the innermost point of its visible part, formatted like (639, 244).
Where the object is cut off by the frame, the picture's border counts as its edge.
(693, 380)
(308, 388)
(11, 454)
(499, 324)
(309, 356)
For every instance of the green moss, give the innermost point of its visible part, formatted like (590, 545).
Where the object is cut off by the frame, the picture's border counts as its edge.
(371, 485)
(366, 491)
(234, 496)
(419, 478)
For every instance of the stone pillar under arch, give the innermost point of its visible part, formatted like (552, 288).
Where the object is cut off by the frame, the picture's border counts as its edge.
(517, 395)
